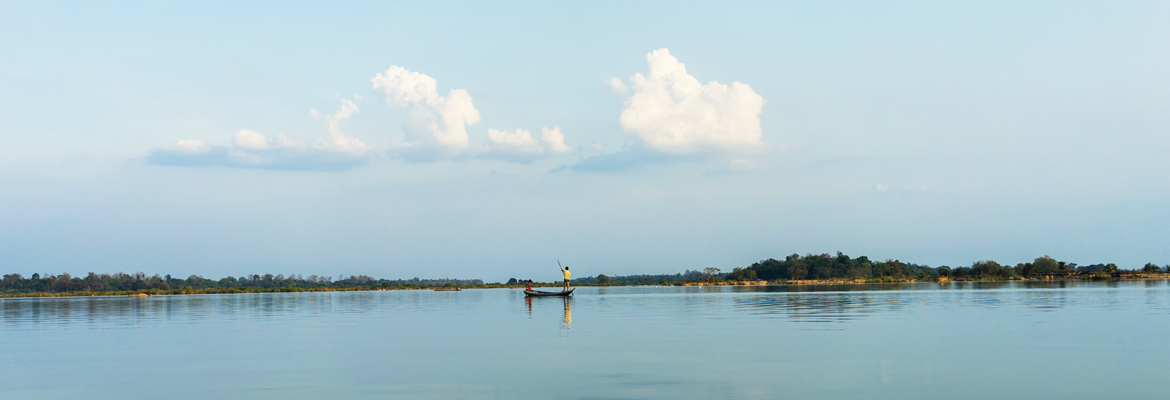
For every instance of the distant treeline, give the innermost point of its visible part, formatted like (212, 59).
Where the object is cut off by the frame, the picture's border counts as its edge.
(688, 276)
(120, 282)
(793, 268)
(826, 266)
(841, 266)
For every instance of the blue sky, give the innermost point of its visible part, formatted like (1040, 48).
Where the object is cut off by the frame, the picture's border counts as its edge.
(147, 136)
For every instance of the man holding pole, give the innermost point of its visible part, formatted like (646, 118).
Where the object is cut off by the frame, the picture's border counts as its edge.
(566, 271)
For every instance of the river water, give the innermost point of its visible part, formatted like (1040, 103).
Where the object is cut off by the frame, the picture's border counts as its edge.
(1009, 340)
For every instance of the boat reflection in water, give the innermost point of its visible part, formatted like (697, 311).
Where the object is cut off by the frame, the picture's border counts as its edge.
(568, 314)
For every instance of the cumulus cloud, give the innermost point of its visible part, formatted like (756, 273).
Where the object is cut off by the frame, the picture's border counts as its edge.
(521, 146)
(340, 142)
(251, 149)
(669, 111)
(251, 140)
(555, 140)
(436, 126)
(617, 86)
(519, 142)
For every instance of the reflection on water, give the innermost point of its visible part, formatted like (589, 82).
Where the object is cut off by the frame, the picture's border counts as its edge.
(120, 310)
(568, 311)
(567, 316)
(795, 303)
(842, 303)
(822, 308)
(893, 341)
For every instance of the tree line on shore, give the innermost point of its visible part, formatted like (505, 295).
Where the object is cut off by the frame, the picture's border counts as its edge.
(686, 276)
(121, 282)
(793, 268)
(842, 267)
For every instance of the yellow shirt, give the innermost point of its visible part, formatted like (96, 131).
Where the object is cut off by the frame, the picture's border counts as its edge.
(566, 274)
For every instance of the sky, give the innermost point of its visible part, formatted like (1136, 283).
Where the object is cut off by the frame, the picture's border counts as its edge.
(472, 140)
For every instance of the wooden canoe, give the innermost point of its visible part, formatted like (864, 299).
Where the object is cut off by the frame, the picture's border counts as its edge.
(537, 293)
(447, 289)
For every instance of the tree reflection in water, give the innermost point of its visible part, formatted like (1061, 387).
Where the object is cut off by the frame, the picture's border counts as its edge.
(128, 311)
(842, 303)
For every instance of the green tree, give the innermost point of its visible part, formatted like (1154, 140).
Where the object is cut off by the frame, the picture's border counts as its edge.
(711, 272)
(1151, 267)
(987, 268)
(743, 274)
(889, 268)
(1023, 269)
(797, 270)
(1044, 265)
(822, 267)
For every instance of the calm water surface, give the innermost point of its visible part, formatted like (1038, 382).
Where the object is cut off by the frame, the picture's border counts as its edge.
(899, 341)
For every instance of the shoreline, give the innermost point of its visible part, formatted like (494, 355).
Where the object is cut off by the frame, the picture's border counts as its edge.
(804, 282)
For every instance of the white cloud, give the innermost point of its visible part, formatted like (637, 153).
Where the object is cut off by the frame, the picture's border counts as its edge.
(251, 140)
(519, 142)
(436, 128)
(191, 146)
(282, 142)
(521, 146)
(248, 139)
(617, 86)
(555, 140)
(671, 112)
(338, 141)
(437, 125)
(251, 149)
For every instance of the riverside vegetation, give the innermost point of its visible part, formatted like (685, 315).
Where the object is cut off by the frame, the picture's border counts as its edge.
(797, 269)
(15, 285)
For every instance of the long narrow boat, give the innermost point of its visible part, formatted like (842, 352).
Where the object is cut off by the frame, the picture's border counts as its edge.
(537, 293)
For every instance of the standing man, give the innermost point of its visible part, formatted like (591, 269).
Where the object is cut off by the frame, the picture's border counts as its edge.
(566, 277)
